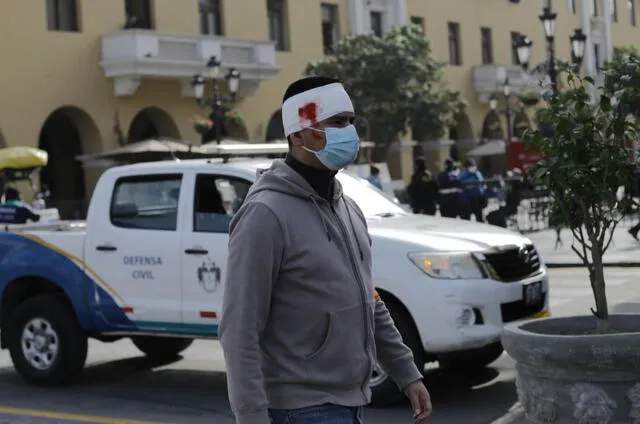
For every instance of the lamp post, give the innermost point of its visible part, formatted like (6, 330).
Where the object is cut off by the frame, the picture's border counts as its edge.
(578, 40)
(508, 111)
(217, 101)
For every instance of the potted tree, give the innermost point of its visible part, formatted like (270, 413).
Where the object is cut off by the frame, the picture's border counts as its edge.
(201, 125)
(582, 369)
(529, 98)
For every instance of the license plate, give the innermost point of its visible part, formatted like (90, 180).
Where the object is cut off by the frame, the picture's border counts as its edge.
(532, 294)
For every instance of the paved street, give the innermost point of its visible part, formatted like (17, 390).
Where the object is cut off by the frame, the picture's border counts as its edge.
(120, 386)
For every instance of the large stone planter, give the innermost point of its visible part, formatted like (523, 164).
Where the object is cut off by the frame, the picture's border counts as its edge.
(585, 379)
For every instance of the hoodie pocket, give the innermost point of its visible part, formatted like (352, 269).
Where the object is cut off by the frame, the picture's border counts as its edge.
(343, 340)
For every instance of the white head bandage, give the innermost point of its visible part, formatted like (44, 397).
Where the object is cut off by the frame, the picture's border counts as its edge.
(312, 106)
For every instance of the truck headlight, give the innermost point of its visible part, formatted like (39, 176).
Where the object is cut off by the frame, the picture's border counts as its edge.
(450, 266)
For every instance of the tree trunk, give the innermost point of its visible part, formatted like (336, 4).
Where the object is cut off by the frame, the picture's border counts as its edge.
(599, 292)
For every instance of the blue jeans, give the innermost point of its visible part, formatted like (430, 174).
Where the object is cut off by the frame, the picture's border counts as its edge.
(322, 414)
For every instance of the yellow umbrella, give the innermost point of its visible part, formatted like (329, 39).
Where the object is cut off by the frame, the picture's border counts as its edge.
(21, 157)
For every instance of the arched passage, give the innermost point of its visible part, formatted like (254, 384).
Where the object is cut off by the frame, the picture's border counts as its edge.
(275, 130)
(521, 123)
(236, 129)
(152, 122)
(3, 142)
(65, 134)
(462, 134)
(492, 128)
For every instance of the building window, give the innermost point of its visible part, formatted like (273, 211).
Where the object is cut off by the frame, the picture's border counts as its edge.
(486, 44)
(138, 13)
(455, 57)
(62, 15)
(330, 27)
(376, 22)
(515, 37)
(571, 6)
(418, 20)
(595, 7)
(210, 17)
(277, 19)
(596, 56)
(631, 5)
(614, 10)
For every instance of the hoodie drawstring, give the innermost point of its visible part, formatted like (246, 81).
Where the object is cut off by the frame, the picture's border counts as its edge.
(353, 229)
(324, 223)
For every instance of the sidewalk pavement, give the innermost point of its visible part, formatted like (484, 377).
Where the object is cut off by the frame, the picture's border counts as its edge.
(624, 250)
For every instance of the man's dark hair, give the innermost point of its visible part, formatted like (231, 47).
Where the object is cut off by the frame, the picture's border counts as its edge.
(11, 194)
(374, 170)
(304, 84)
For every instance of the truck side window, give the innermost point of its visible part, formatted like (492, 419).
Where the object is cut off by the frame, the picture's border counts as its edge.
(216, 200)
(148, 202)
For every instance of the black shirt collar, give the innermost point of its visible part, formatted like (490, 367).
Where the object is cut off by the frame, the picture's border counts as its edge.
(321, 180)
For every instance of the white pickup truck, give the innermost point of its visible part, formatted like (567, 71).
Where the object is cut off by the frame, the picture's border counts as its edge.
(150, 262)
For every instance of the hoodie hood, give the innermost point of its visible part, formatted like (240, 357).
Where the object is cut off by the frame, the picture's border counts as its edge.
(282, 178)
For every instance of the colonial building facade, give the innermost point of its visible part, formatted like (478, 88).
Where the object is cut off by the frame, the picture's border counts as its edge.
(81, 76)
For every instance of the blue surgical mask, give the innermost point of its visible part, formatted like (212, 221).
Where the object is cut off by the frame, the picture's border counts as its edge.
(342, 147)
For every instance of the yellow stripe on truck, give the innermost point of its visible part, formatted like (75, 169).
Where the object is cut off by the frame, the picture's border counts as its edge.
(77, 260)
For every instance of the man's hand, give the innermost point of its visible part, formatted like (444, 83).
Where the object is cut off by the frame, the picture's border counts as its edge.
(420, 401)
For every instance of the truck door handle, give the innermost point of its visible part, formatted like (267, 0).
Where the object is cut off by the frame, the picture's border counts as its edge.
(106, 248)
(196, 251)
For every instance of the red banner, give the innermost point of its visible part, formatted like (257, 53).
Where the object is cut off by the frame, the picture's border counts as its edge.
(520, 156)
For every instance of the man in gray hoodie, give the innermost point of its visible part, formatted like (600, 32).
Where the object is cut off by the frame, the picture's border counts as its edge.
(301, 324)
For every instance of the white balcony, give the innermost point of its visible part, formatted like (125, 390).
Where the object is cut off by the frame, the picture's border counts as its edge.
(132, 55)
(489, 79)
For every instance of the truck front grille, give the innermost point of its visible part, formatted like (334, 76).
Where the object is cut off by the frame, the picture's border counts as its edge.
(514, 263)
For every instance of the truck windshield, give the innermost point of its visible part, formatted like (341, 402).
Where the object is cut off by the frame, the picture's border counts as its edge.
(372, 201)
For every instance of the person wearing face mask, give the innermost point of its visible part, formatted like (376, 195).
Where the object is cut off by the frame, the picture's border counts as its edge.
(301, 324)
(474, 199)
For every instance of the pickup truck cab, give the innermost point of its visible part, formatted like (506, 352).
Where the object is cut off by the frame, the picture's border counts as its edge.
(150, 264)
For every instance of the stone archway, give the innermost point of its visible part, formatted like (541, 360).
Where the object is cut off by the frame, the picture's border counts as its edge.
(275, 129)
(65, 134)
(492, 127)
(152, 122)
(521, 123)
(235, 129)
(462, 135)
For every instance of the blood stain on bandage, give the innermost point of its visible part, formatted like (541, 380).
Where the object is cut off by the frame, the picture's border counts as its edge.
(309, 113)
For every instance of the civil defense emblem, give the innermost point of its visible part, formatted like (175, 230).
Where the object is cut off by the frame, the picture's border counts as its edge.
(209, 276)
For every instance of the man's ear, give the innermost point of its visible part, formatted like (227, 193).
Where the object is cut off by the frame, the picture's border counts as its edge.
(296, 138)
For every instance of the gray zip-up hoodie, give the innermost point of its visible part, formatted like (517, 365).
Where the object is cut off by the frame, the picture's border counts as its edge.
(300, 324)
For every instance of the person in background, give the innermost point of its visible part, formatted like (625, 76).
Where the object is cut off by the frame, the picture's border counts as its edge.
(422, 190)
(449, 190)
(474, 199)
(14, 210)
(374, 176)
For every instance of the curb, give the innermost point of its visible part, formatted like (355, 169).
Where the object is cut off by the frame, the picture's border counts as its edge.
(606, 265)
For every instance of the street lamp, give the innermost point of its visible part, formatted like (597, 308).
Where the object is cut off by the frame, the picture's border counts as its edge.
(548, 20)
(508, 111)
(578, 43)
(523, 50)
(216, 102)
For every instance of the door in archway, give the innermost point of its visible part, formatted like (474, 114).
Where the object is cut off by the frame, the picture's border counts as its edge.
(275, 129)
(152, 123)
(63, 176)
(142, 128)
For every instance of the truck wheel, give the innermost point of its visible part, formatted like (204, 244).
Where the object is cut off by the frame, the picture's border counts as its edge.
(384, 391)
(161, 347)
(474, 359)
(46, 343)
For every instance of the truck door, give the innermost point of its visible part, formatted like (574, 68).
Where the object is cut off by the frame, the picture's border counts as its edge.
(204, 248)
(134, 246)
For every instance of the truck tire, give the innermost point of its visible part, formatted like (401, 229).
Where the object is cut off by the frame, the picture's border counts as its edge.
(384, 391)
(161, 347)
(474, 359)
(47, 345)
